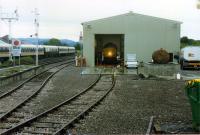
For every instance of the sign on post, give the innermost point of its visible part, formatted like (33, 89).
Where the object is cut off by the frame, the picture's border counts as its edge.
(16, 50)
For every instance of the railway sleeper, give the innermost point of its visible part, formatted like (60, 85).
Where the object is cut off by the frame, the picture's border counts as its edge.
(79, 104)
(26, 107)
(99, 89)
(72, 108)
(64, 114)
(69, 112)
(24, 110)
(54, 118)
(2, 130)
(25, 116)
(2, 112)
(18, 97)
(16, 119)
(102, 87)
(35, 131)
(47, 120)
(13, 120)
(34, 83)
(17, 115)
(5, 126)
(46, 125)
(8, 125)
(57, 116)
(30, 104)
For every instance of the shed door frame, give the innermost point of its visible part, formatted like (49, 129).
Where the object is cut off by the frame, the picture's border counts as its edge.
(99, 40)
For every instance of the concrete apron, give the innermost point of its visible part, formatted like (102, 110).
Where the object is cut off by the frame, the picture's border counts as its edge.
(107, 70)
(166, 71)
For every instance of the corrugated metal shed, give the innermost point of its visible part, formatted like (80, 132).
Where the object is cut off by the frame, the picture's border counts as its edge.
(142, 35)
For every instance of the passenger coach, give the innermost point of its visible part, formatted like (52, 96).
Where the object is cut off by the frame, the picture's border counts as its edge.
(43, 50)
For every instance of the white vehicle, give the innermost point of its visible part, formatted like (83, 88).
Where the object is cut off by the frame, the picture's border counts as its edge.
(131, 61)
(190, 57)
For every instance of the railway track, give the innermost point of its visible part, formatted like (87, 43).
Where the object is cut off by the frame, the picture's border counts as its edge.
(16, 97)
(54, 60)
(60, 117)
(45, 64)
(51, 64)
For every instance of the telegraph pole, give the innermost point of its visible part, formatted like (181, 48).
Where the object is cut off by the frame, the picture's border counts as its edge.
(36, 23)
(10, 18)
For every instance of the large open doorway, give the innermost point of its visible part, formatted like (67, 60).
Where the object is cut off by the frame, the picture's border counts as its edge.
(109, 49)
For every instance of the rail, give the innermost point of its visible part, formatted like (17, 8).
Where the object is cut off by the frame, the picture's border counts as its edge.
(75, 98)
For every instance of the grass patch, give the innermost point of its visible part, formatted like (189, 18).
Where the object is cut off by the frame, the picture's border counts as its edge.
(13, 70)
(23, 61)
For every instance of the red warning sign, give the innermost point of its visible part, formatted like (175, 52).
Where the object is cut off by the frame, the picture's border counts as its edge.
(16, 42)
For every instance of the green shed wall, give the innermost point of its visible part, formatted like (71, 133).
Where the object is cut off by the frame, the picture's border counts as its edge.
(142, 35)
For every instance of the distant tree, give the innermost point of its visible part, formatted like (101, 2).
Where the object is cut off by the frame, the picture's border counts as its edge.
(191, 41)
(198, 42)
(78, 46)
(53, 41)
(64, 44)
(184, 40)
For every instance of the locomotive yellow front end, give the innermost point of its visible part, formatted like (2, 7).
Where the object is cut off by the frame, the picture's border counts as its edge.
(110, 54)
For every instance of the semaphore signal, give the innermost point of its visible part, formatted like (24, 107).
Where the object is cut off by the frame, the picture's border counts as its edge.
(10, 18)
(198, 4)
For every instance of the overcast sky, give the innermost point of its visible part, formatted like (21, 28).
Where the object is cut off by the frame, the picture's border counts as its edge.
(62, 18)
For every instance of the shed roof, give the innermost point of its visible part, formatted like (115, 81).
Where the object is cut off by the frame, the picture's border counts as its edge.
(132, 13)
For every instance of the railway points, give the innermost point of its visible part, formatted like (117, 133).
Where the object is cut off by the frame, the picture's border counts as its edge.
(26, 91)
(68, 101)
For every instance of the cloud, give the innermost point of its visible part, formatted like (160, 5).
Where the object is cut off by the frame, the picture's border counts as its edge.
(62, 18)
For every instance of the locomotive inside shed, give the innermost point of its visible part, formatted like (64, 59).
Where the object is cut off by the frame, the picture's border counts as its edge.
(109, 49)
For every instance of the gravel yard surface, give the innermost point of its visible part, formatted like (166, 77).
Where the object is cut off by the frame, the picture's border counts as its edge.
(8, 87)
(64, 85)
(128, 108)
(61, 87)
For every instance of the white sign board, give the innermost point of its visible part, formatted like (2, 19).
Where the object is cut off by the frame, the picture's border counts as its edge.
(16, 49)
(16, 52)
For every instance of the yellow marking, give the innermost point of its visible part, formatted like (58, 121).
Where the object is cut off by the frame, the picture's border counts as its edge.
(194, 64)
